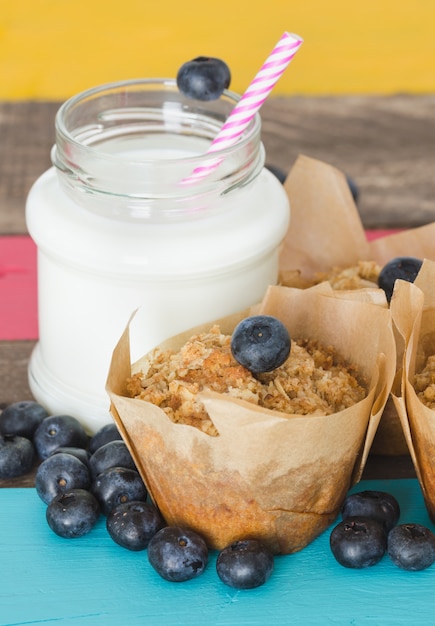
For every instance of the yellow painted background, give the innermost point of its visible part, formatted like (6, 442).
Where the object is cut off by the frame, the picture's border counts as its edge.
(51, 49)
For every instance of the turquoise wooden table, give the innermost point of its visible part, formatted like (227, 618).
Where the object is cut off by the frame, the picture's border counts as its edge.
(91, 581)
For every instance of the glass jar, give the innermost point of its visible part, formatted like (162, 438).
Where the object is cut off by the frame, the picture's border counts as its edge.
(117, 229)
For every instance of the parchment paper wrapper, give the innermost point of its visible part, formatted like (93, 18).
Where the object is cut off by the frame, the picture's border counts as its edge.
(413, 310)
(326, 232)
(268, 475)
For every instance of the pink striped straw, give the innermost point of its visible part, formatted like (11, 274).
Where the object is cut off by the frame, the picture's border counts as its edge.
(250, 103)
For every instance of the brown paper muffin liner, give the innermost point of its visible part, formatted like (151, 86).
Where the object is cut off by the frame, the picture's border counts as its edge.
(326, 232)
(277, 477)
(413, 311)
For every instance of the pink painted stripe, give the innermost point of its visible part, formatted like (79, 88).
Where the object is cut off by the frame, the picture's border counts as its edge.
(378, 233)
(18, 310)
(18, 286)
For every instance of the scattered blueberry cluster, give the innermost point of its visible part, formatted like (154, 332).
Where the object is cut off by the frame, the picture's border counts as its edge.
(81, 478)
(369, 530)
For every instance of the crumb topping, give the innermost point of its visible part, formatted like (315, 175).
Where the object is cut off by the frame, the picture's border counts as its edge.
(364, 274)
(424, 383)
(313, 380)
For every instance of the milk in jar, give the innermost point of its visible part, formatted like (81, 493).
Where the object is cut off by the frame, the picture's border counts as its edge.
(116, 230)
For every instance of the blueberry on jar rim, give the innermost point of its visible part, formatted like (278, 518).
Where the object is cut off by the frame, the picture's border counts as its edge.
(261, 343)
(203, 78)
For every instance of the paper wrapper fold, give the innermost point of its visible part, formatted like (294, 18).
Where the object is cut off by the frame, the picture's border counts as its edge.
(413, 310)
(277, 477)
(325, 232)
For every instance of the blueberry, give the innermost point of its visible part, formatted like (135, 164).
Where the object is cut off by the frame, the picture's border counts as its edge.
(278, 172)
(108, 432)
(403, 267)
(59, 431)
(411, 546)
(354, 190)
(178, 554)
(245, 564)
(59, 473)
(203, 78)
(378, 505)
(16, 456)
(358, 542)
(112, 454)
(133, 524)
(73, 513)
(116, 485)
(22, 418)
(82, 454)
(260, 343)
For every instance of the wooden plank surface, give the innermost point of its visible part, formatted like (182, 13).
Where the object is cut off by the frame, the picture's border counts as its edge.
(385, 143)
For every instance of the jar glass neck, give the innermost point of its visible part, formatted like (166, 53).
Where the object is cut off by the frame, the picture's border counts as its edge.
(124, 149)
